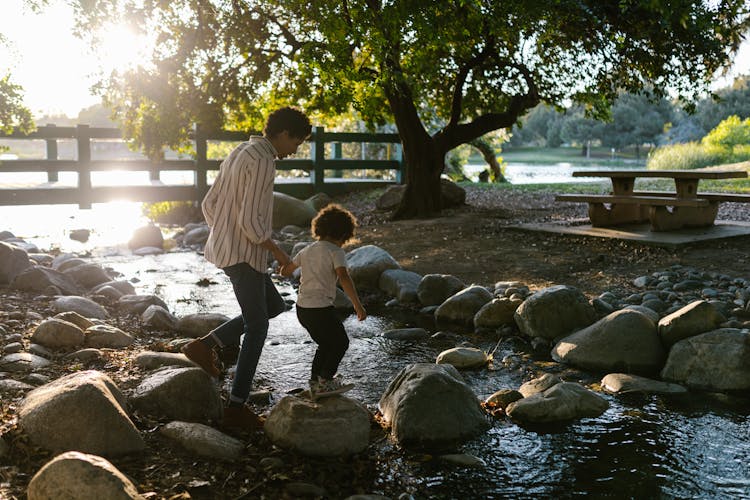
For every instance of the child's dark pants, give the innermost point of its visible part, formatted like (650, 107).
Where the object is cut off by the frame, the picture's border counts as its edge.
(328, 332)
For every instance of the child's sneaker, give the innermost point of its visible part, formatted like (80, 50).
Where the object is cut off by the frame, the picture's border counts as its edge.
(328, 387)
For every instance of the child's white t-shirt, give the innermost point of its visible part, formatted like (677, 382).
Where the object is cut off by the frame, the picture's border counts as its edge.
(318, 262)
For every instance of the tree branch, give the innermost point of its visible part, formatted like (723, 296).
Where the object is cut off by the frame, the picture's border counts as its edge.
(463, 73)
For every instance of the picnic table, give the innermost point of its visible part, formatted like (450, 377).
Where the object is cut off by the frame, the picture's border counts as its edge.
(686, 206)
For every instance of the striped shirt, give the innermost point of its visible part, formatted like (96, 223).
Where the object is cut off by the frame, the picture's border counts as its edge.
(239, 206)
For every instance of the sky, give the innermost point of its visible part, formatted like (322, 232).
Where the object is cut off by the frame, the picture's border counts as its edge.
(56, 69)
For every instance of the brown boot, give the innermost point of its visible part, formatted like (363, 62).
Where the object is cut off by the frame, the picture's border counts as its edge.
(202, 355)
(241, 417)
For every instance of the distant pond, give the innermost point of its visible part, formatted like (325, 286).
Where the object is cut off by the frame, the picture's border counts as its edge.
(557, 173)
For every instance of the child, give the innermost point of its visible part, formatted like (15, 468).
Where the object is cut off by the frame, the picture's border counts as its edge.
(321, 264)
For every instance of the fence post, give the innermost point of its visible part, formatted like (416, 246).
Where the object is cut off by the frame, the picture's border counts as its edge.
(400, 158)
(52, 175)
(83, 138)
(337, 156)
(201, 163)
(318, 152)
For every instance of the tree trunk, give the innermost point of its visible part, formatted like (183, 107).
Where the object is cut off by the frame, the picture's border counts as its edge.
(424, 166)
(489, 156)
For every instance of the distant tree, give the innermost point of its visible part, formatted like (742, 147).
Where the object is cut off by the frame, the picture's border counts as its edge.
(578, 128)
(96, 116)
(732, 100)
(637, 119)
(14, 116)
(474, 66)
(539, 127)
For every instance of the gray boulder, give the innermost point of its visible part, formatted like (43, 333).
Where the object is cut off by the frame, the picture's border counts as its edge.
(463, 306)
(367, 263)
(158, 318)
(554, 312)
(497, 312)
(151, 360)
(137, 304)
(203, 441)
(75, 475)
(88, 275)
(81, 305)
(563, 401)
(623, 383)
(433, 289)
(306, 427)
(429, 404)
(187, 394)
(624, 341)
(288, 210)
(400, 284)
(56, 333)
(107, 336)
(199, 324)
(463, 358)
(146, 236)
(693, 319)
(84, 411)
(40, 279)
(715, 361)
(13, 261)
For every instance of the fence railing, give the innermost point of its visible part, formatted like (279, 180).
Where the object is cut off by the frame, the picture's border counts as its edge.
(83, 193)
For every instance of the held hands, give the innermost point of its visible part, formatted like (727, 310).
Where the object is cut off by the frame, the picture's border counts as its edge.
(361, 313)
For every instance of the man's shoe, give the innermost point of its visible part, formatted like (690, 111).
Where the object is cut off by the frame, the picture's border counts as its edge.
(241, 417)
(202, 355)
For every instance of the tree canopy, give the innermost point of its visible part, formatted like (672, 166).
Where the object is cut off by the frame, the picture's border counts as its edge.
(444, 71)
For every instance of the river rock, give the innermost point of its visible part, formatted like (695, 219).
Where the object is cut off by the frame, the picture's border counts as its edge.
(22, 362)
(187, 394)
(463, 358)
(39, 279)
(158, 318)
(199, 324)
(431, 404)
(461, 307)
(539, 384)
(75, 318)
(57, 333)
(622, 383)
(203, 441)
(290, 210)
(693, 319)
(496, 313)
(434, 289)
(75, 475)
(625, 341)
(67, 264)
(306, 427)
(83, 411)
(151, 360)
(137, 304)
(503, 398)
(107, 336)
(400, 284)
(367, 263)
(82, 305)
(124, 287)
(554, 312)
(196, 236)
(88, 275)
(13, 261)
(713, 361)
(563, 401)
(319, 201)
(406, 334)
(146, 236)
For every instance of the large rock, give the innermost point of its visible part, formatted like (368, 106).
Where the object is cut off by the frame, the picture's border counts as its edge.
(288, 210)
(84, 411)
(13, 260)
(563, 401)
(146, 236)
(400, 284)
(88, 275)
(624, 341)
(367, 263)
(497, 312)
(199, 324)
(693, 319)
(187, 394)
(137, 304)
(623, 383)
(203, 440)
(451, 195)
(433, 289)
(463, 358)
(431, 404)
(41, 279)
(461, 307)
(107, 336)
(306, 427)
(56, 333)
(716, 361)
(554, 312)
(74, 475)
(81, 305)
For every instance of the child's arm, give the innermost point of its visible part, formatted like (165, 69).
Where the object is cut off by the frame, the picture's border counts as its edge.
(348, 285)
(288, 269)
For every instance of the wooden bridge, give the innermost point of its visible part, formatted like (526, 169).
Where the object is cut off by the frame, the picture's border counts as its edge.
(323, 171)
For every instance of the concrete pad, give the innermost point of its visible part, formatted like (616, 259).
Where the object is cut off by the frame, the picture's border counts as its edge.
(642, 233)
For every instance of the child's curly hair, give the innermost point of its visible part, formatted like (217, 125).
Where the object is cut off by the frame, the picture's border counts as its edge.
(334, 222)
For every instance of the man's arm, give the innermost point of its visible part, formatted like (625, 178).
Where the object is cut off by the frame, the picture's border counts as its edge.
(348, 285)
(280, 255)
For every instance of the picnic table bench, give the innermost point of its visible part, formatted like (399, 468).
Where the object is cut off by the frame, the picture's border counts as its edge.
(665, 210)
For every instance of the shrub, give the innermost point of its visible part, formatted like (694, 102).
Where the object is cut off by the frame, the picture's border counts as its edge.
(172, 212)
(685, 156)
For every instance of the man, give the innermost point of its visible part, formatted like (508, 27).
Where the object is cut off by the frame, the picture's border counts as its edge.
(238, 208)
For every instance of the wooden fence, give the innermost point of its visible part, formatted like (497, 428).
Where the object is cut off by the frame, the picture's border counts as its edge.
(83, 193)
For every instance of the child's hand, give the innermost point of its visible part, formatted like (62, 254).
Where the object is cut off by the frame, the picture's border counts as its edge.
(361, 313)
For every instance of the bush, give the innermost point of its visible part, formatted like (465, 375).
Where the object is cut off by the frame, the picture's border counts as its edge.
(172, 212)
(685, 156)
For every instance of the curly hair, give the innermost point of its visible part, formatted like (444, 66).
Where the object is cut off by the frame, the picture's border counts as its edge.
(334, 222)
(292, 120)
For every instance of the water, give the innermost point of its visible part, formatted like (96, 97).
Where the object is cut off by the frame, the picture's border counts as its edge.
(528, 173)
(641, 447)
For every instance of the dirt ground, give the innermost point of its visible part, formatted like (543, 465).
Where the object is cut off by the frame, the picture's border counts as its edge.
(481, 243)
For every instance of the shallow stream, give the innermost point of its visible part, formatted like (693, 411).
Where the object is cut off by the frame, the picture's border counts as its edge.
(642, 447)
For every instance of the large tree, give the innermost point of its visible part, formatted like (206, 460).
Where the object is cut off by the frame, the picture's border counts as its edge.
(470, 66)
